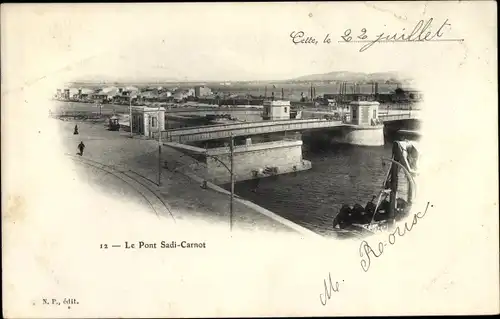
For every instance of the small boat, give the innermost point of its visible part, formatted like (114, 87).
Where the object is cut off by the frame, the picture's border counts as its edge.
(391, 204)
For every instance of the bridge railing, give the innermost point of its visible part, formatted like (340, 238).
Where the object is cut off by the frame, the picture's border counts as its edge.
(249, 130)
(395, 117)
(234, 126)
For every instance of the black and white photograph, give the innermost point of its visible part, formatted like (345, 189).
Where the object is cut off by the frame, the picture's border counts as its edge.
(249, 159)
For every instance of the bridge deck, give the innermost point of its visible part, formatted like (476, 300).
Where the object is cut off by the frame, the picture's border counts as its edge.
(241, 129)
(194, 149)
(385, 117)
(219, 131)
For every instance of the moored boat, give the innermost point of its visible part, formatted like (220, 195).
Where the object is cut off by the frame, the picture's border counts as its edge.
(391, 204)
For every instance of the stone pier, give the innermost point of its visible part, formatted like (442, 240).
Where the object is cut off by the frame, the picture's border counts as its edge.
(360, 124)
(250, 160)
(256, 161)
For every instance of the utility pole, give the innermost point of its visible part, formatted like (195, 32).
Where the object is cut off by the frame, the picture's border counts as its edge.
(311, 92)
(231, 149)
(166, 124)
(100, 107)
(159, 148)
(130, 114)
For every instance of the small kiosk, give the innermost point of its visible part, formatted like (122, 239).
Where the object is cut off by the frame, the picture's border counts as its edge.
(147, 120)
(364, 113)
(276, 110)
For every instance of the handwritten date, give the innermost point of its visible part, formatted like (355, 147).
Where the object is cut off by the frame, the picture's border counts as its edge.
(421, 32)
(299, 37)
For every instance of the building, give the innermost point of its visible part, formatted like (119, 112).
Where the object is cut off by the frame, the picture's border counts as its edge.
(147, 120)
(149, 96)
(364, 112)
(407, 95)
(72, 94)
(276, 110)
(182, 95)
(125, 96)
(85, 94)
(202, 91)
(105, 95)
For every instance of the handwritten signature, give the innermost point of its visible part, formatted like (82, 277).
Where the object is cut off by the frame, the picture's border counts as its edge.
(420, 33)
(365, 247)
(329, 289)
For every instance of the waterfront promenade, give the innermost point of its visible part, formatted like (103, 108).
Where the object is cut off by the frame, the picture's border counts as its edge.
(187, 202)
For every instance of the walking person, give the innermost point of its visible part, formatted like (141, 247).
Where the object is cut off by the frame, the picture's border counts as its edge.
(76, 130)
(81, 147)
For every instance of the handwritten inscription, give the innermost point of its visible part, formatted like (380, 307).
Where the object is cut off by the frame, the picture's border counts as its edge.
(421, 32)
(301, 38)
(330, 288)
(366, 251)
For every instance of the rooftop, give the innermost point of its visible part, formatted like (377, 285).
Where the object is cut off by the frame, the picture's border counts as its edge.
(277, 103)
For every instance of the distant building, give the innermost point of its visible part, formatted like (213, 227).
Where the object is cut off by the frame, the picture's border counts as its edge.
(106, 95)
(85, 94)
(72, 94)
(157, 94)
(148, 96)
(180, 96)
(126, 95)
(202, 91)
(407, 95)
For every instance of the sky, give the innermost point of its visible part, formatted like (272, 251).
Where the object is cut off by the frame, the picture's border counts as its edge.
(211, 42)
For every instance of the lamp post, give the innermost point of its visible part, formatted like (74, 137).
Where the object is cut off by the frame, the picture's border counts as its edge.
(231, 150)
(231, 172)
(159, 147)
(130, 114)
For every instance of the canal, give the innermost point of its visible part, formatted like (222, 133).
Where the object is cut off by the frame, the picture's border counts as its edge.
(340, 174)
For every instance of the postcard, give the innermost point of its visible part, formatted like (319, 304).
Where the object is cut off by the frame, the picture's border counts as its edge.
(249, 159)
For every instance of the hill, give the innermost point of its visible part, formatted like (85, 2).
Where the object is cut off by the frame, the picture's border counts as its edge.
(354, 77)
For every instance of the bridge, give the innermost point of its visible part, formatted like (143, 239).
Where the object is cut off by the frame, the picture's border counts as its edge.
(212, 132)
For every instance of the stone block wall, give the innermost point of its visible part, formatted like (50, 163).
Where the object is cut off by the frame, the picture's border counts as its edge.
(281, 154)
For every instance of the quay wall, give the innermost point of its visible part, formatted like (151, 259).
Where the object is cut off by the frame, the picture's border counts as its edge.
(286, 156)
